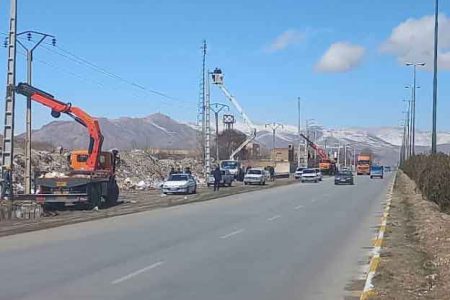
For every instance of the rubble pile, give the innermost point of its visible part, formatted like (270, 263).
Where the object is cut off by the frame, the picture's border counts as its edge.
(137, 169)
(140, 170)
(42, 162)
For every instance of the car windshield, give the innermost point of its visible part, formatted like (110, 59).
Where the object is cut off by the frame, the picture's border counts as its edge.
(178, 177)
(229, 164)
(300, 169)
(345, 173)
(309, 171)
(254, 172)
(363, 162)
(377, 169)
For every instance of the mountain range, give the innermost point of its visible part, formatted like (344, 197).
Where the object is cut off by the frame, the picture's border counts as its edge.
(160, 131)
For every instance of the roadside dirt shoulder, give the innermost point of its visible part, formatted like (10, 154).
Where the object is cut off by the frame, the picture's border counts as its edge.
(415, 257)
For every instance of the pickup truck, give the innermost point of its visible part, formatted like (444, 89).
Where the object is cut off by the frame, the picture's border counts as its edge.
(227, 178)
(376, 171)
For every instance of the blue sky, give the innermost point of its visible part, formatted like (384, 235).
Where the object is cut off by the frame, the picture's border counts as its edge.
(157, 45)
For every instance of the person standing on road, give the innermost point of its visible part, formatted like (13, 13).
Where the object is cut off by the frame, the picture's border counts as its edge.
(217, 178)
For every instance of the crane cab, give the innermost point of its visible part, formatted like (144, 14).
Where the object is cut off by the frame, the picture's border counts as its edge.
(217, 76)
(107, 160)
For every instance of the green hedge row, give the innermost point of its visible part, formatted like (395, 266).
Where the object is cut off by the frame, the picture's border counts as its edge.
(432, 176)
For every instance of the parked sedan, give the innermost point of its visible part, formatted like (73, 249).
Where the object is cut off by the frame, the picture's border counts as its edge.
(310, 175)
(344, 177)
(298, 173)
(180, 183)
(319, 174)
(255, 176)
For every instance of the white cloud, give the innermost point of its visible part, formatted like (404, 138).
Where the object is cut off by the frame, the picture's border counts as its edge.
(340, 57)
(285, 39)
(413, 41)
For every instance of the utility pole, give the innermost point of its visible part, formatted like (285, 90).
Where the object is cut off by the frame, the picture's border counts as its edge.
(30, 51)
(274, 126)
(413, 114)
(207, 128)
(10, 101)
(217, 108)
(436, 37)
(345, 155)
(201, 104)
(299, 131)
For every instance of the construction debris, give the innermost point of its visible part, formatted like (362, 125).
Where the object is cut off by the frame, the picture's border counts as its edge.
(137, 170)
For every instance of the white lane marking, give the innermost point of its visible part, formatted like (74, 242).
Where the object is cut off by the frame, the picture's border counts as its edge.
(298, 207)
(138, 272)
(231, 234)
(274, 218)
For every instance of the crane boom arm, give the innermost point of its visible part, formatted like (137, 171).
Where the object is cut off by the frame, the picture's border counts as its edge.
(79, 115)
(252, 128)
(238, 107)
(322, 153)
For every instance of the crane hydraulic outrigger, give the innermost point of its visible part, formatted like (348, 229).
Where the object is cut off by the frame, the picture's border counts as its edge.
(92, 178)
(326, 165)
(234, 165)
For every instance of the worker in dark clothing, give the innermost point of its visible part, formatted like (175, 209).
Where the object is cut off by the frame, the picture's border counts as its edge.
(217, 178)
(172, 171)
(179, 171)
(272, 173)
(188, 171)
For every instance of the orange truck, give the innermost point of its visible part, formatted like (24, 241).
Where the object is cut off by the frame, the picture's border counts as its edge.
(363, 164)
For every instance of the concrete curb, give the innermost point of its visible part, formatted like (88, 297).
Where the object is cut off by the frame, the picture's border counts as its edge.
(377, 243)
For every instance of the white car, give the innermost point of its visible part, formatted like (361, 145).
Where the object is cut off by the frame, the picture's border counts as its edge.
(255, 176)
(298, 173)
(310, 175)
(180, 183)
(319, 174)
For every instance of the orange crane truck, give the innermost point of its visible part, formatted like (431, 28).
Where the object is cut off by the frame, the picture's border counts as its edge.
(326, 165)
(92, 176)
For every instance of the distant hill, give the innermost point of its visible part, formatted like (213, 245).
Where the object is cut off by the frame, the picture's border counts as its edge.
(160, 131)
(156, 130)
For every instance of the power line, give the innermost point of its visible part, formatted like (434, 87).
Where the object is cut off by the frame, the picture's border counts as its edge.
(84, 62)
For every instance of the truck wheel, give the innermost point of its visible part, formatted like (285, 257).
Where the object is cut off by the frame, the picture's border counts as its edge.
(113, 193)
(95, 195)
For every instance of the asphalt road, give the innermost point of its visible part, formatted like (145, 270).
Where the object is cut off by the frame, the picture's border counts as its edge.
(302, 241)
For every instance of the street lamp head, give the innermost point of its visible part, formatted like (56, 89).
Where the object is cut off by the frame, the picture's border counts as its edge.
(421, 64)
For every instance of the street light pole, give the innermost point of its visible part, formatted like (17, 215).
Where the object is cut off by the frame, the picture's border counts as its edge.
(217, 108)
(30, 51)
(274, 126)
(436, 37)
(413, 112)
(408, 130)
